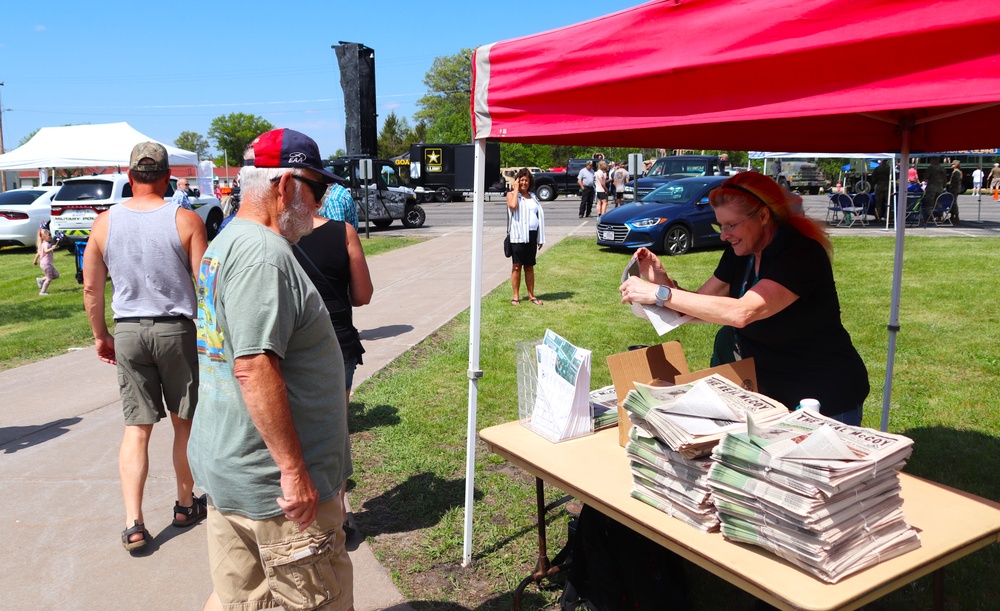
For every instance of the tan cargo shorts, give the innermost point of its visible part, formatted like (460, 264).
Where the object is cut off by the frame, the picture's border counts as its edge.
(261, 564)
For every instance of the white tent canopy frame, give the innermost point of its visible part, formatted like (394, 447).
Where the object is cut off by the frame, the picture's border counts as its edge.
(85, 146)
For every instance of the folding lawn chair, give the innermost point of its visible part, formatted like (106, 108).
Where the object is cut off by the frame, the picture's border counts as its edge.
(863, 203)
(942, 210)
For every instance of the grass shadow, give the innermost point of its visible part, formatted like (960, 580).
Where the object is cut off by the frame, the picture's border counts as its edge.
(418, 503)
(362, 418)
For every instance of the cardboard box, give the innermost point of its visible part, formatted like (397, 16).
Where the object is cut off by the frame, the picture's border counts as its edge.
(666, 364)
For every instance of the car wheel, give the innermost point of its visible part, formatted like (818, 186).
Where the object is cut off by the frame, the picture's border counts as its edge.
(443, 195)
(545, 193)
(414, 217)
(382, 223)
(676, 240)
(213, 223)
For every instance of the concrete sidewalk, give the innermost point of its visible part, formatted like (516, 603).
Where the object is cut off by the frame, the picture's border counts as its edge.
(61, 425)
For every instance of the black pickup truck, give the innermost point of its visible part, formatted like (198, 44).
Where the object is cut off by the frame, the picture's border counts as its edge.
(669, 169)
(549, 185)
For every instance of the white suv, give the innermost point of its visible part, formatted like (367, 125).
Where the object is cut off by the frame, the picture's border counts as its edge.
(80, 200)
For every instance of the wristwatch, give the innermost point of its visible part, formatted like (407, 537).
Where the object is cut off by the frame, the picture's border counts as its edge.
(662, 294)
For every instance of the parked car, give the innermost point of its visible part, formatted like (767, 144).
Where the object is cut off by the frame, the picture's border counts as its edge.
(22, 211)
(81, 199)
(668, 169)
(672, 219)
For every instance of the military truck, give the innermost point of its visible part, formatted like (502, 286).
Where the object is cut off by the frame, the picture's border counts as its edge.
(802, 176)
(387, 200)
(443, 172)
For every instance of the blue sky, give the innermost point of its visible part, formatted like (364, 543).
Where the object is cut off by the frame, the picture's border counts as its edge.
(169, 67)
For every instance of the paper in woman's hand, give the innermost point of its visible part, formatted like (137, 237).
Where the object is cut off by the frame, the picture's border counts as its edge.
(662, 319)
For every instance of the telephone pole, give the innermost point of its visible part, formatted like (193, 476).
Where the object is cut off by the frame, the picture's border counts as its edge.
(3, 174)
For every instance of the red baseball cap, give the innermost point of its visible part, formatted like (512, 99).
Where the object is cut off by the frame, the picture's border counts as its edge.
(286, 148)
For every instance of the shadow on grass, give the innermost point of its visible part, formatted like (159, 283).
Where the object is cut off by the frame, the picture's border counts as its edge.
(417, 503)
(39, 308)
(563, 296)
(362, 418)
(501, 602)
(962, 448)
(14, 438)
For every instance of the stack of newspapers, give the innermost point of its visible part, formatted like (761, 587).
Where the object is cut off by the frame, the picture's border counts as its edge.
(818, 493)
(692, 418)
(673, 484)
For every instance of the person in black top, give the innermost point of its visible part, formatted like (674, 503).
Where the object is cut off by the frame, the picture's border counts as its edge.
(333, 258)
(774, 292)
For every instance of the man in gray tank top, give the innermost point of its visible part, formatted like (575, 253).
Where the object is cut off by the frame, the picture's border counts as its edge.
(150, 247)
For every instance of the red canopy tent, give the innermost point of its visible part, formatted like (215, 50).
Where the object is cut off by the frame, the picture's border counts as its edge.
(822, 75)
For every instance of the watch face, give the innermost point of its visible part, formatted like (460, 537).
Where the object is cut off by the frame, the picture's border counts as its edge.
(662, 293)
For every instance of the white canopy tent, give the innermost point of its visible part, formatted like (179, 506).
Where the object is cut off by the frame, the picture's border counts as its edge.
(85, 146)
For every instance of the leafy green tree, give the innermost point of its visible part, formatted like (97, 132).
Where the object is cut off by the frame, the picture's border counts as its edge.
(419, 132)
(395, 137)
(337, 153)
(233, 132)
(445, 107)
(519, 155)
(194, 142)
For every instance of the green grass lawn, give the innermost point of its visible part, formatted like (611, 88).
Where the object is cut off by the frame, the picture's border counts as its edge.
(33, 327)
(408, 421)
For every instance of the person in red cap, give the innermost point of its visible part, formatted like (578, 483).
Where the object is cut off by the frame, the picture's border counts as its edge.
(269, 442)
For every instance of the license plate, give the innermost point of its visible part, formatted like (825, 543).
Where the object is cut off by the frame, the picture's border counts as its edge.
(76, 214)
(608, 236)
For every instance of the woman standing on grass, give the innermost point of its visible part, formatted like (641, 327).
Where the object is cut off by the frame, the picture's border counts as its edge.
(527, 234)
(774, 292)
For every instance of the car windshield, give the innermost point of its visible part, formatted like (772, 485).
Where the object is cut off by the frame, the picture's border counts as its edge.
(80, 190)
(675, 192)
(670, 167)
(19, 198)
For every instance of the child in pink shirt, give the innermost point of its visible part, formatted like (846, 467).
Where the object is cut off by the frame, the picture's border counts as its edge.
(43, 258)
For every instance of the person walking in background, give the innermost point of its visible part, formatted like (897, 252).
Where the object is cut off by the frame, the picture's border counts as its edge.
(619, 178)
(527, 234)
(977, 180)
(995, 179)
(586, 181)
(44, 247)
(774, 292)
(610, 183)
(338, 205)
(154, 344)
(601, 187)
(955, 187)
(724, 164)
(269, 442)
(181, 194)
(935, 178)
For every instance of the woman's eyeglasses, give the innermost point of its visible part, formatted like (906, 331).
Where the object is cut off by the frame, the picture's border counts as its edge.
(730, 227)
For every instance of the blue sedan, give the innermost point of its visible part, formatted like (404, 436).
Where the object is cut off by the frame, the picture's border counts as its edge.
(672, 219)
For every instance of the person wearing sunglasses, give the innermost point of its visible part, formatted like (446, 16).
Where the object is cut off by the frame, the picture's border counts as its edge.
(271, 446)
(774, 294)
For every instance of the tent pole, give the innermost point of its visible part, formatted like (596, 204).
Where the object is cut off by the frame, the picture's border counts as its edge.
(474, 373)
(897, 274)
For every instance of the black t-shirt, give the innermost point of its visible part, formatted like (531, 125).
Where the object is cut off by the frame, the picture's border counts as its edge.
(330, 272)
(804, 351)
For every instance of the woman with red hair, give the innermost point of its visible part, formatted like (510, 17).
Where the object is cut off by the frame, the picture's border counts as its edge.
(774, 293)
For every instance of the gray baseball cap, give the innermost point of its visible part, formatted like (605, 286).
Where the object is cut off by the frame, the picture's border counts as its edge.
(149, 157)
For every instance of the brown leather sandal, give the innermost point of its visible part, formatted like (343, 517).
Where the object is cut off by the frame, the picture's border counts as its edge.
(139, 529)
(195, 513)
